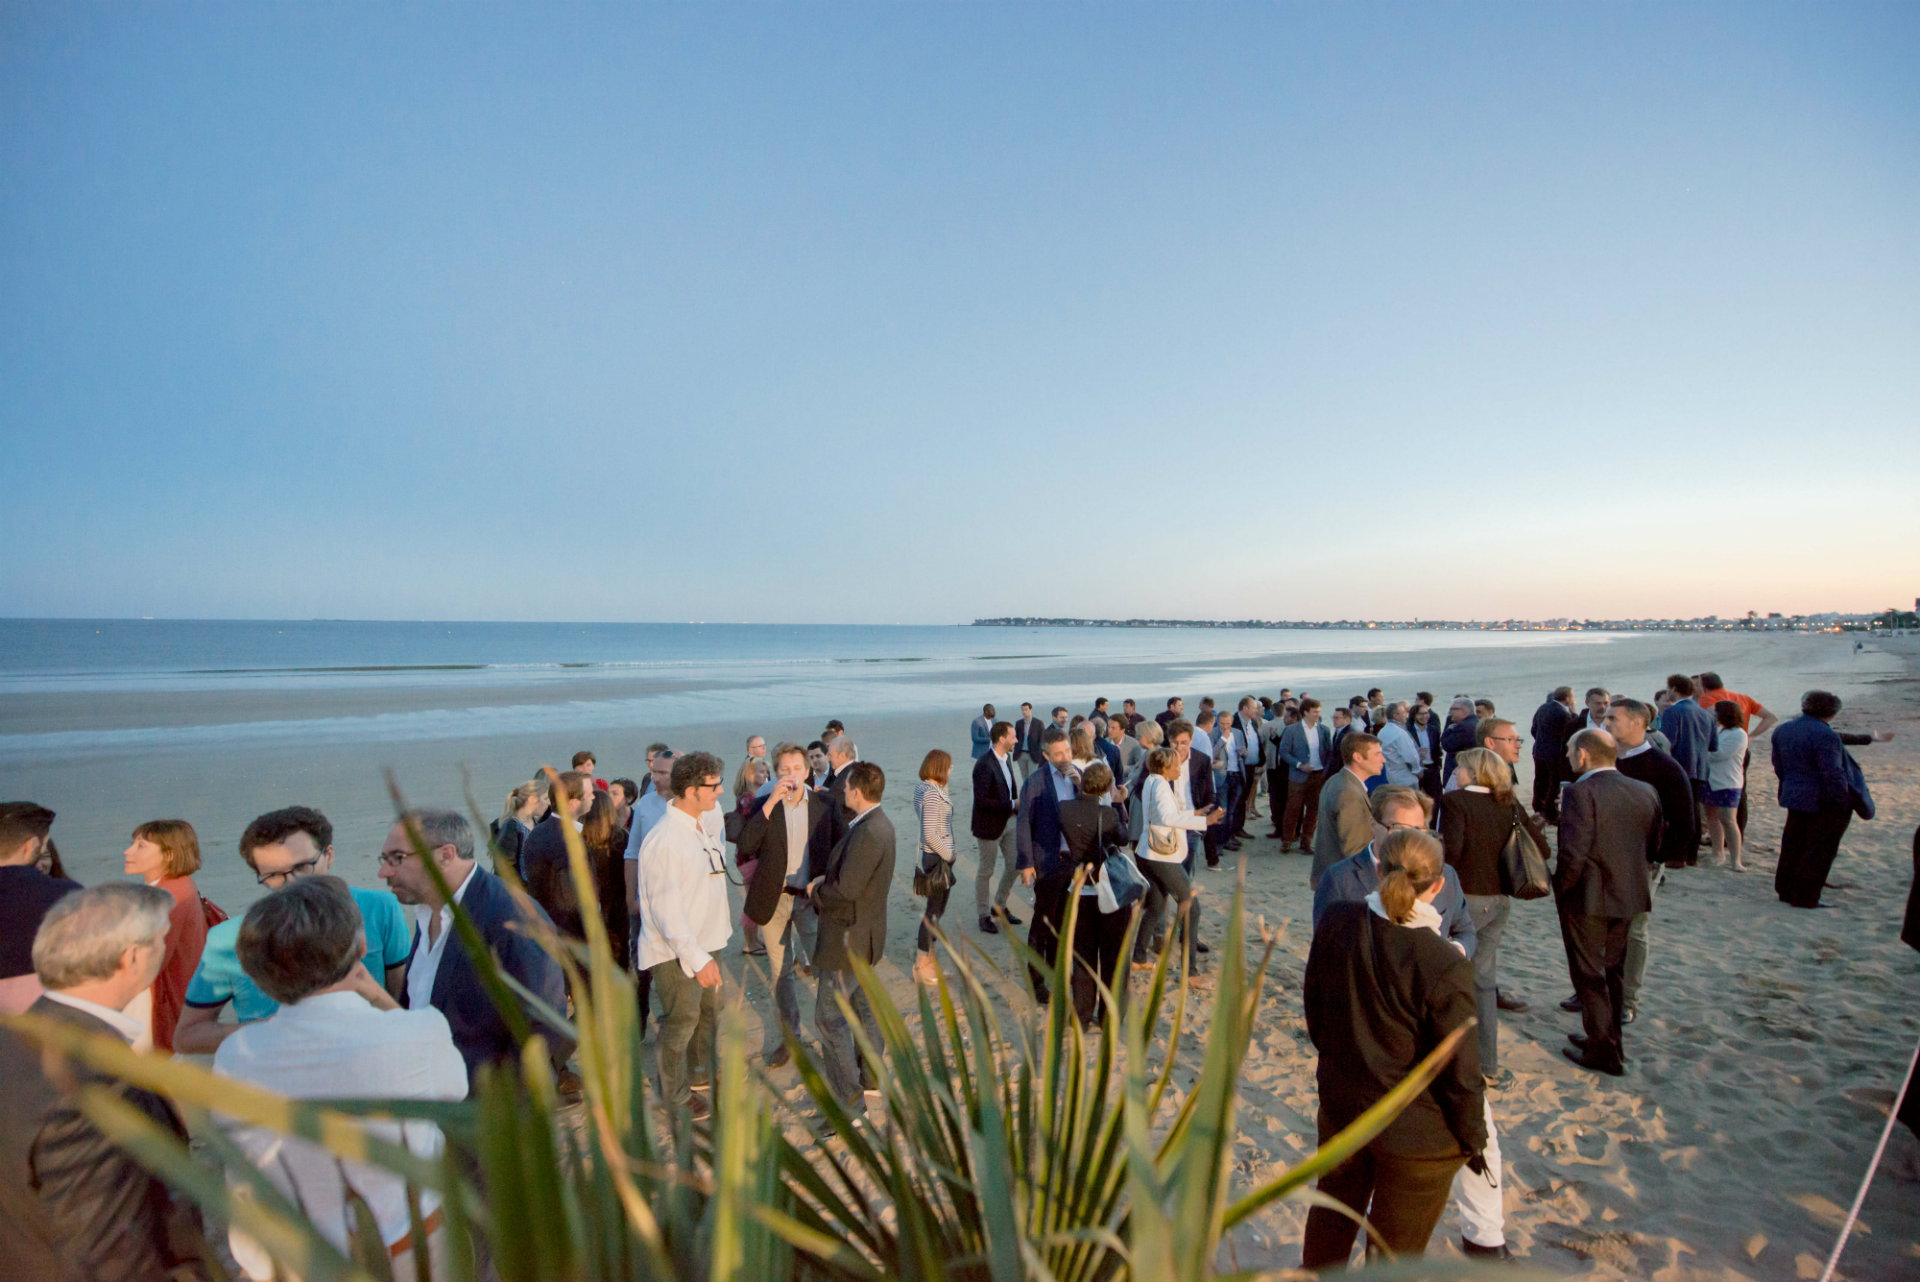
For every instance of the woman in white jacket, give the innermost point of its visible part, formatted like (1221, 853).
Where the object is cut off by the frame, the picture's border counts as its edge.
(1162, 854)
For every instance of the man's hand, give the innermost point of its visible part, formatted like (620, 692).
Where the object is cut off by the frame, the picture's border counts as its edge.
(373, 990)
(813, 886)
(1883, 736)
(708, 976)
(1026, 876)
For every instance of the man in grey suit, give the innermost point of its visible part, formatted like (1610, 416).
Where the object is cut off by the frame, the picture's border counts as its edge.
(851, 898)
(1610, 828)
(1346, 820)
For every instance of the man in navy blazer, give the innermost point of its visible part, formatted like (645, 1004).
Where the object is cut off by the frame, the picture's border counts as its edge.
(439, 971)
(1395, 808)
(1026, 741)
(1042, 846)
(1810, 758)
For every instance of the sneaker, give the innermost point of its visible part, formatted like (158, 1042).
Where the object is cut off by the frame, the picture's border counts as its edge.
(987, 927)
(1499, 1079)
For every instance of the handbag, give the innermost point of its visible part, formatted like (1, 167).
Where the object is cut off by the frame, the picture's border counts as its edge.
(1121, 884)
(1160, 841)
(1523, 865)
(928, 882)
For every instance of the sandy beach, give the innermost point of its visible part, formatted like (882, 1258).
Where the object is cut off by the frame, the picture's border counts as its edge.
(1769, 1043)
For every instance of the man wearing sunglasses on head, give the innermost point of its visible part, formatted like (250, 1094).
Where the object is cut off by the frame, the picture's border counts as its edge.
(283, 846)
(684, 921)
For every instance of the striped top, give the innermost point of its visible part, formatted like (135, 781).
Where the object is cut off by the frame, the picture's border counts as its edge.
(930, 802)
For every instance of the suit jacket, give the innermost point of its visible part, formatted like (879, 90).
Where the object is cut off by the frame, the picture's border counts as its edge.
(1293, 749)
(982, 737)
(1456, 738)
(1693, 733)
(1552, 723)
(1680, 841)
(1200, 777)
(852, 900)
(1346, 822)
(1026, 738)
(995, 795)
(1037, 840)
(74, 1203)
(765, 839)
(836, 789)
(549, 875)
(1811, 764)
(1354, 878)
(1610, 828)
(478, 1030)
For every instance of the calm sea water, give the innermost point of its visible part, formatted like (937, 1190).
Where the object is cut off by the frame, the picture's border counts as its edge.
(147, 684)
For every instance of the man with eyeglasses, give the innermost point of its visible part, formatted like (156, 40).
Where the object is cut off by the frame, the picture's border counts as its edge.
(684, 921)
(280, 847)
(1503, 739)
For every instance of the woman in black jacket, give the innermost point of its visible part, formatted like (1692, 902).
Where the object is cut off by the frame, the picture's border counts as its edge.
(1092, 829)
(1383, 989)
(1475, 820)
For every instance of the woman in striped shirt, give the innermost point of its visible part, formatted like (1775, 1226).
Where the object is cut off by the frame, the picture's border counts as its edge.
(935, 809)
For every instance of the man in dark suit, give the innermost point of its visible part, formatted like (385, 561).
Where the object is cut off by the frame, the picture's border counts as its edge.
(74, 1203)
(543, 855)
(1810, 757)
(995, 798)
(1552, 723)
(1458, 734)
(842, 752)
(1175, 709)
(1042, 846)
(439, 971)
(850, 895)
(1609, 834)
(1026, 740)
(792, 834)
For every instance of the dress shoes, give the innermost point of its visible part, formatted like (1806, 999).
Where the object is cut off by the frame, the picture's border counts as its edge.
(1594, 1065)
(1199, 947)
(1571, 1004)
(778, 1057)
(987, 927)
(1011, 919)
(1578, 1039)
(1513, 1004)
(1474, 1251)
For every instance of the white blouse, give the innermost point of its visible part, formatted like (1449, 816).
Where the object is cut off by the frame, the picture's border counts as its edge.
(1167, 812)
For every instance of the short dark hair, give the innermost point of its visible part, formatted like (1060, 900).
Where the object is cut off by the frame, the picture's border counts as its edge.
(1354, 744)
(1602, 691)
(276, 826)
(1822, 704)
(837, 725)
(1177, 727)
(997, 729)
(870, 779)
(1052, 735)
(1727, 713)
(572, 783)
(1175, 699)
(1309, 704)
(691, 771)
(1126, 703)
(21, 822)
(582, 757)
(1712, 681)
(1681, 684)
(1424, 696)
(627, 786)
(300, 939)
(1058, 710)
(986, 710)
(1100, 703)
(1372, 690)
(1026, 705)
(1096, 779)
(1561, 692)
(816, 746)
(653, 748)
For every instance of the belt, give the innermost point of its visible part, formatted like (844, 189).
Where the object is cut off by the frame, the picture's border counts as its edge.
(428, 1227)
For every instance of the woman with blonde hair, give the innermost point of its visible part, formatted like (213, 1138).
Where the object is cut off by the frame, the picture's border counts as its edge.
(1382, 991)
(1476, 819)
(935, 811)
(525, 806)
(166, 853)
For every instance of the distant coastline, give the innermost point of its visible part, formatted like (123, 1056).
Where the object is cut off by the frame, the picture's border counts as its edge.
(1711, 623)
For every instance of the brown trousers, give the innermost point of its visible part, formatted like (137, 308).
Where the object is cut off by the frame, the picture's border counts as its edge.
(1402, 1197)
(1303, 808)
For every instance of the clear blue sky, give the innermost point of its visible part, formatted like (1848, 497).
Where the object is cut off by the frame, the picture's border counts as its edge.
(887, 313)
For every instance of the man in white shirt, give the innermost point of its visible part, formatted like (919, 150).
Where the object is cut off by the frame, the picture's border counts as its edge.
(684, 921)
(302, 946)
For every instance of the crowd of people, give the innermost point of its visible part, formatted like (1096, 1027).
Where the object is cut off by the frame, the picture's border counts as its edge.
(1408, 818)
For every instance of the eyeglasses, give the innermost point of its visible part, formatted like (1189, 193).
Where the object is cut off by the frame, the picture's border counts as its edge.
(1398, 827)
(393, 858)
(275, 880)
(1505, 738)
(717, 862)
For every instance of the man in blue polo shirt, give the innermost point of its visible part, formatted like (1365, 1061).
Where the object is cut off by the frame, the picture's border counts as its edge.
(282, 846)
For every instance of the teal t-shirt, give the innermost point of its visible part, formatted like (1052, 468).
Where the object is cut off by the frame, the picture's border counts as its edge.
(219, 979)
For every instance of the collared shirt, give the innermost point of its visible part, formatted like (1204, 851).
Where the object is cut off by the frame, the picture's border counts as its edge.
(1231, 743)
(1202, 742)
(118, 1020)
(1006, 771)
(795, 814)
(428, 950)
(1066, 786)
(337, 1046)
(646, 813)
(1313, 745)
(1591, 773)
(683, 894)
(1645, 745)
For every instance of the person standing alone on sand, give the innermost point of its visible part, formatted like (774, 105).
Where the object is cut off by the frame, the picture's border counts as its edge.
(1811, 760)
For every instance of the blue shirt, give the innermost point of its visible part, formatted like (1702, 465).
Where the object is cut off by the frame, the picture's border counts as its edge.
(219, 978)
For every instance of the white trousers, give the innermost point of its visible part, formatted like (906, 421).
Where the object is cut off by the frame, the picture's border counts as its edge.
(1483, 1220)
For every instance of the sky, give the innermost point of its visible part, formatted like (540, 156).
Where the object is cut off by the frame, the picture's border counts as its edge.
(890, 313)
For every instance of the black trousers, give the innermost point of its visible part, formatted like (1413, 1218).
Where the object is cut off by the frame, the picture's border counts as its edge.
(1276, 796)
(1548, 774)
(1043, 932)
(1597, 964)
(1808, 846)
(1097, 937)
(1402, 1197)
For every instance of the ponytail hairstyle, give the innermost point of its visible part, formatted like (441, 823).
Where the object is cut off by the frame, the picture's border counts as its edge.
(1413, 862)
